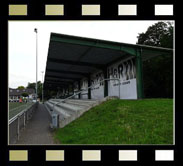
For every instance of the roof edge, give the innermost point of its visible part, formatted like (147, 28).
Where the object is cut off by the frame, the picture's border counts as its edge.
(111, 42)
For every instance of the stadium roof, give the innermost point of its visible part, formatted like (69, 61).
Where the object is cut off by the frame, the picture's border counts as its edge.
(70, 58)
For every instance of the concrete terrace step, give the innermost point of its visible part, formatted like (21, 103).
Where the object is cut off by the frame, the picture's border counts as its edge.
(78, 104)
(66, 103)
(58, 110)
(68, 107)
(82, 102)
(71, 109)
(65, 115)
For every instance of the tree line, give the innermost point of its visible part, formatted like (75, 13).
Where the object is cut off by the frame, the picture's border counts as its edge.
(158, 71)
(33, 86)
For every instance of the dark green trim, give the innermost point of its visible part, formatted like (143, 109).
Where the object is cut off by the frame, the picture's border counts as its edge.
(139, 75)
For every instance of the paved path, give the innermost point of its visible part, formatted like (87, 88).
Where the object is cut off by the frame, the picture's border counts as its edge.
(37, 130)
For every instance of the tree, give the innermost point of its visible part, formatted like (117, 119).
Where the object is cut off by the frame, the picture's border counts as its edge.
(25, 94)
(159, 34)
(158, 72)
(31, 85)
(39, 87)
(21, 87)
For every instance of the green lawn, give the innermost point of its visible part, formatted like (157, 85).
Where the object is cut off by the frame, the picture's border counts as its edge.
(16, 107)
(13, 105)
(148, 121)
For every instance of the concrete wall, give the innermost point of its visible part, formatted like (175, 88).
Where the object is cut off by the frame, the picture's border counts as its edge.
(84, 85)
(97, 92)
(125, 71)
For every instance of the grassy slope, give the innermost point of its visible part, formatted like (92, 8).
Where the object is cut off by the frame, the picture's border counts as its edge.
(122, 122)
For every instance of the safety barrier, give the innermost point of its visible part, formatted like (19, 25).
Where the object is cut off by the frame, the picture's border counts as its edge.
(19, 121)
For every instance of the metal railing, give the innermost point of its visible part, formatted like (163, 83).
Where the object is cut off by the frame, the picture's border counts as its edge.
(107, 79)
(19, 121)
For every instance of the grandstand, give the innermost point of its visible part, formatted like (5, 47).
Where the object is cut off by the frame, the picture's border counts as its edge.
(85, 71)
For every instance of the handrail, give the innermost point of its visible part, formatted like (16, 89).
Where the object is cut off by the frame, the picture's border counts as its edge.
(107, 79)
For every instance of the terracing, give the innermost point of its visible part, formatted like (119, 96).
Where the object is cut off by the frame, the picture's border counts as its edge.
(70, 109)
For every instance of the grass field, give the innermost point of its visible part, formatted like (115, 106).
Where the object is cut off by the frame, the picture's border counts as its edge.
(16, 107)
(148, 121)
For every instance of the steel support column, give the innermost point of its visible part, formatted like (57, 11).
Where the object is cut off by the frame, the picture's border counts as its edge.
(139, 75)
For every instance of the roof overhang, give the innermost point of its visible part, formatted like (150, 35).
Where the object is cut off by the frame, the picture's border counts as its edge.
(72, 58)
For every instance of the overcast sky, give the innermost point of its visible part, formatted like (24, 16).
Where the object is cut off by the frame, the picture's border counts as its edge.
(22, 42)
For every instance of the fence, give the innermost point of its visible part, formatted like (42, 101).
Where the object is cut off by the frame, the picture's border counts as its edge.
(19, 121)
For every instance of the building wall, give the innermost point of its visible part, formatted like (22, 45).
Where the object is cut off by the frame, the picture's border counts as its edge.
(97, 91)
(125, 71)
(84, 85)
